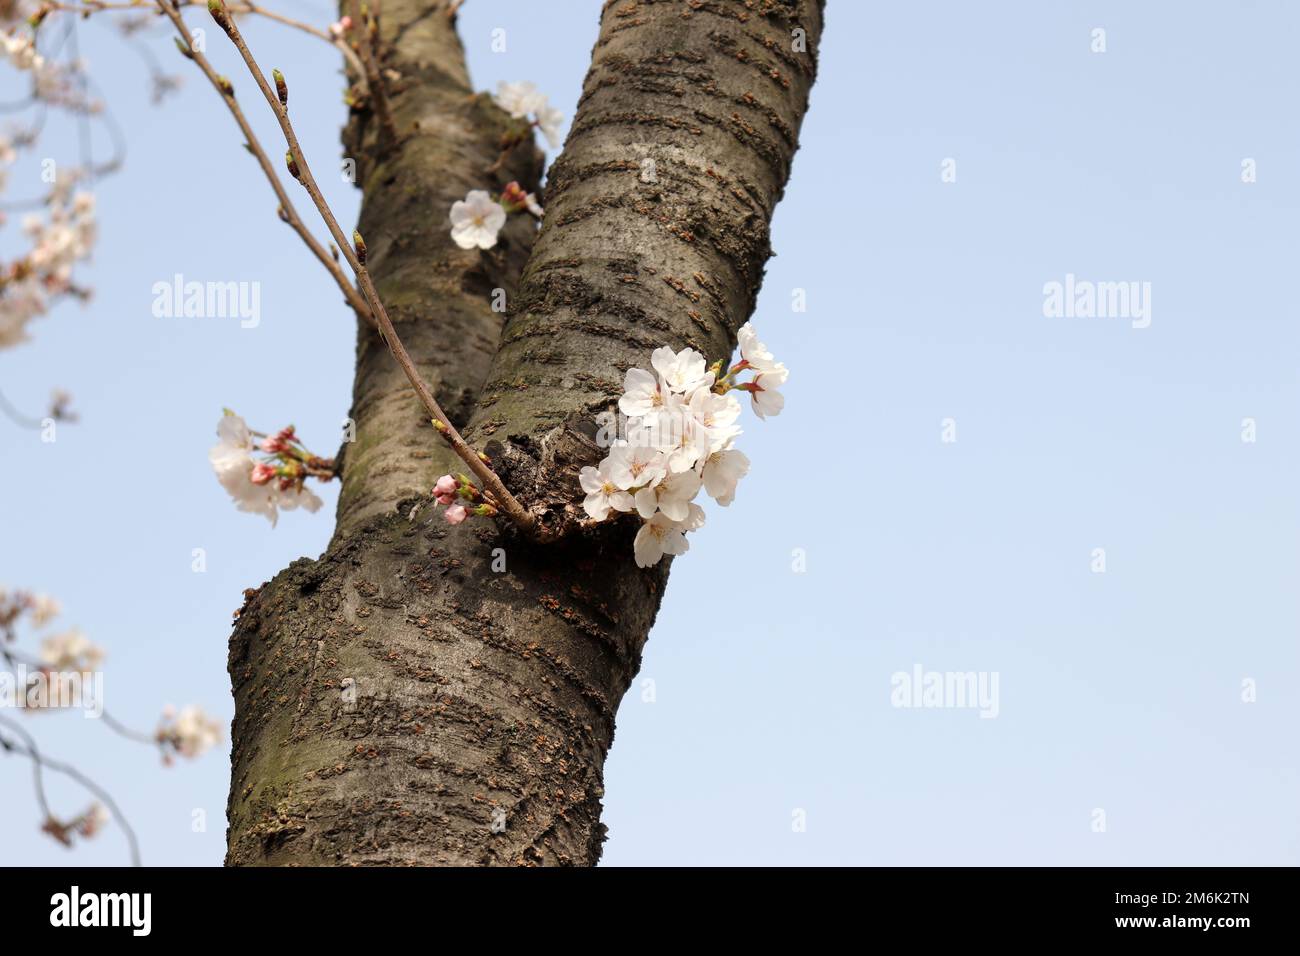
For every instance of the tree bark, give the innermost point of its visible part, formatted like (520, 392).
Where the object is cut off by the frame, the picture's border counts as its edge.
(427, 694)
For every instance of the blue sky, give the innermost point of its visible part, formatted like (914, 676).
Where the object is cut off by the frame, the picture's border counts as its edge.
(775, 740)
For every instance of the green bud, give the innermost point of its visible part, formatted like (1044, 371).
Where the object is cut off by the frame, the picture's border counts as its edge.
(281, 87)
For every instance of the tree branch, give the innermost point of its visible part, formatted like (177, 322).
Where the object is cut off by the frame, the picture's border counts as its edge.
(301, 170)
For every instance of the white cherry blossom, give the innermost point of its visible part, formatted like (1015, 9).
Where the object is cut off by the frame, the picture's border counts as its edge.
(191, 733)
(657, 537)
(519, 99)
(754, 352)
(643, 393)
(70, 651)
(682, 371)
(721, 472)
(765, 397)
(476, 220)
(672, 496)
(549, 121)
(717, 415)
(602, 493)
(636, 465)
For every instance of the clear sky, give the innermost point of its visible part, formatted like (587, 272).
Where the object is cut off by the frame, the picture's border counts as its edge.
(774, 739)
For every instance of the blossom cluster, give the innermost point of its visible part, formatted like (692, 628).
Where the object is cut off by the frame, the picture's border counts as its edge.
(477, 219)
(271, 483)
(65, 236)
(86, 825)
(66, 651)
(681, 425)
(188, 733)
(523, 101)
(55, 84)
(462, 498)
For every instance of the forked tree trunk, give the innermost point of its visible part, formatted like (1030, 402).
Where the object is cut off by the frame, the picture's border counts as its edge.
(427, 694)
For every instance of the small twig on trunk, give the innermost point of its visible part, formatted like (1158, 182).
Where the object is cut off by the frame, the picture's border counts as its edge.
(301, 171)
(375, 91)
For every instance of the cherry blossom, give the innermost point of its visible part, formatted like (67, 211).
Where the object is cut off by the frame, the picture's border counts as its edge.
(519, 99)
(476, 220)
(189, 733)
(70, 651)
(523, 100)
(602, 493)
(657, 537)
(672, 496)
(636, 464)
(62, 237)
(643, 393)
(549, 121)
(682, 371)
(721, 472)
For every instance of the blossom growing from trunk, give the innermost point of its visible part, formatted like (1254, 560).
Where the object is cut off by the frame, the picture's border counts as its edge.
(476, 220)
(680, 427)
(515, 199)
(462, 498)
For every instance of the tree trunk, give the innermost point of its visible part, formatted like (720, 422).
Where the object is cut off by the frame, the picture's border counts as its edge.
(429, 694)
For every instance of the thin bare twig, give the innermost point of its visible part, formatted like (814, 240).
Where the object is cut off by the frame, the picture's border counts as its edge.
(288, 213)
(301, 171)
(39, 762)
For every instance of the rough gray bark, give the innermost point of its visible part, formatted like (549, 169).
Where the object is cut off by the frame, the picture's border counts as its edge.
(481, 691)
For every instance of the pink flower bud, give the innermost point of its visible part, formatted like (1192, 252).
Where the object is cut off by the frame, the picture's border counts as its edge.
(446, 485)
(272, 444)
(262, 473)
(455, 514)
